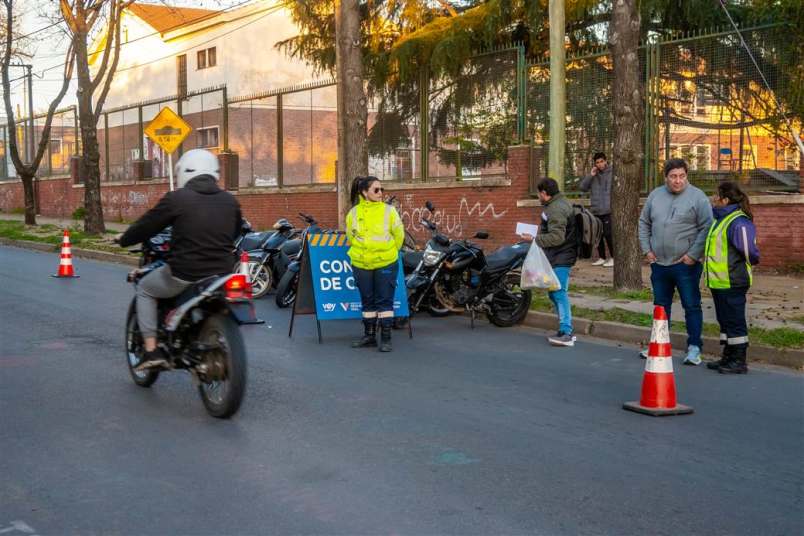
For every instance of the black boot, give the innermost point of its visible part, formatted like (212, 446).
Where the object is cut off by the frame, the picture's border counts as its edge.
(725, 357)
(385, 337)
(737, 364)
(369, 338)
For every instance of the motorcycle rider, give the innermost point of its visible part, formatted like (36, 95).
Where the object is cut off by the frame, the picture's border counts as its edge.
(205, 220)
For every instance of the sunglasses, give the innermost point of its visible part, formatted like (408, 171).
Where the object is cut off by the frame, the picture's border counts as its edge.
(377, 190)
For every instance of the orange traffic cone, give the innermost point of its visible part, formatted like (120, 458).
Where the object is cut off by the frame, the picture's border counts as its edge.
(244, 266)
(658, 385)
(66, 260)
(244, 270)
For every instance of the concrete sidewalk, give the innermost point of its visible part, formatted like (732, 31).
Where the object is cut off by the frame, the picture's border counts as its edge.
(64, 223)
(774, 301)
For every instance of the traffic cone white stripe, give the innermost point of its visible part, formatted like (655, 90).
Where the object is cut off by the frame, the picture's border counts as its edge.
(659, 365)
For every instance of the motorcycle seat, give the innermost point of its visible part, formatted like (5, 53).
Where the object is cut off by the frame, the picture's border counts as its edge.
(255, 240)
(503, 258)
(190, 292)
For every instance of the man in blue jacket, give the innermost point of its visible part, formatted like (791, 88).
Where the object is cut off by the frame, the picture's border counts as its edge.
(672, 235)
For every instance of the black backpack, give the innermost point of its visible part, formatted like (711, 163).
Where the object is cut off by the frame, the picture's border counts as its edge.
(588, 230)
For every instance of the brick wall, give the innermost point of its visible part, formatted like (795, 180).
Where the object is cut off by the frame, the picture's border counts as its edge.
(461, 208)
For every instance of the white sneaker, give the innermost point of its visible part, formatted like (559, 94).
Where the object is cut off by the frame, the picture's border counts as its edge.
(599, 262)
(609, 263)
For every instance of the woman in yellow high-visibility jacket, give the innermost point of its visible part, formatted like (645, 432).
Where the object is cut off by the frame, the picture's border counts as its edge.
(730, 255)
(376, 234)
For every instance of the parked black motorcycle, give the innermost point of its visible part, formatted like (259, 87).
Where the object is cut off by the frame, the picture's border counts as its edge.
(289, 263)
(457, 274)
(263, 251)
(198, 332)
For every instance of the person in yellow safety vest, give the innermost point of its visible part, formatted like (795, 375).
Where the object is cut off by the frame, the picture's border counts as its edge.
(730, 253)
(375, 233)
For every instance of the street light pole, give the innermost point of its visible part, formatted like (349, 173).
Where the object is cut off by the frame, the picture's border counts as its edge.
(558, 100)
(31, 143)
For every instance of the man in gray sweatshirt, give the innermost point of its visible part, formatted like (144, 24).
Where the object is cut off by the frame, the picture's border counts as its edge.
(672, 235)
(599, 183)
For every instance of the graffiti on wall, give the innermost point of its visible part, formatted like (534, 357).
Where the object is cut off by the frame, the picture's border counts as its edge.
(448, 219)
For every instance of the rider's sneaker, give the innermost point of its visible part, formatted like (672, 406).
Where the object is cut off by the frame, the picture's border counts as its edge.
(155, 359)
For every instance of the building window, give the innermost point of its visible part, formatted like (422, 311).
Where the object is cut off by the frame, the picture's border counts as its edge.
(206, 58)
(181, 75)
(55, 146)
(208, 137)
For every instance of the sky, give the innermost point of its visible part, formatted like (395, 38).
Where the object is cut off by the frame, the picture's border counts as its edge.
(48, 47)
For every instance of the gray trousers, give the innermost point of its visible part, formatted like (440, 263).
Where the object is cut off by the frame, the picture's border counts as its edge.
(158, 284)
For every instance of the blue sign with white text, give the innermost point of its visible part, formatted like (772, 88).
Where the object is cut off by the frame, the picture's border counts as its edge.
(336, 294)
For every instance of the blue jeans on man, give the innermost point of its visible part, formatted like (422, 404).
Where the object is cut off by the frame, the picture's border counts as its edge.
(560, 300)
(687, 279)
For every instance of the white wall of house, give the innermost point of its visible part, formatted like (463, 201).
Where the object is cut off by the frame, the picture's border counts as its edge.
(247, 60)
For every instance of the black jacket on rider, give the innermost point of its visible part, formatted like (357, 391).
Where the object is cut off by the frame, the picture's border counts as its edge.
(206, 222)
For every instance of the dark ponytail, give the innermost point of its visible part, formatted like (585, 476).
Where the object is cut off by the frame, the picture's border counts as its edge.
(731, 191)
(360, 185)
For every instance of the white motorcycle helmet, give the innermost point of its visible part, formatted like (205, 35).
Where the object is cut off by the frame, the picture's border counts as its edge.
(194, 163)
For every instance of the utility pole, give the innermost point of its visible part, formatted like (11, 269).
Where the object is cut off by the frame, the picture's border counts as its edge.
(558, 99)
(31, 143)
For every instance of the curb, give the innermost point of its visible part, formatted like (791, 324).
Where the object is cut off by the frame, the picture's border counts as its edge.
(788, 357)
(77, 252)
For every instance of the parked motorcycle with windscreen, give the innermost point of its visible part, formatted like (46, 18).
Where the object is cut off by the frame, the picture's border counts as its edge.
(263, 251)
(456, 274)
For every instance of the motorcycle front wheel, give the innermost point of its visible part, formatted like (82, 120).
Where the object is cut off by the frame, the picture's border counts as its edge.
(286, 289)
(510, 303)
(223, 384)
(260, 276)
(135, 349)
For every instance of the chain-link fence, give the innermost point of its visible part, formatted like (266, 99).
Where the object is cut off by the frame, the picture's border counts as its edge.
(126, 154)
(473, 117)
(63, 144)
(286, 137)
(705, 102)
(708, 104)
(589, 121)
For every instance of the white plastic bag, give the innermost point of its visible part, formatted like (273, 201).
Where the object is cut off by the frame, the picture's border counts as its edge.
(537, 272)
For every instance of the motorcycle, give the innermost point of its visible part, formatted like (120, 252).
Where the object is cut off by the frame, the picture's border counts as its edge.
(459, 276)
(198, 331)
(289, 263)
(263, 250)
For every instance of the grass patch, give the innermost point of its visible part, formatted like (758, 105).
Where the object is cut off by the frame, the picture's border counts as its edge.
(51, 234)
(777, 337)
(608, 292)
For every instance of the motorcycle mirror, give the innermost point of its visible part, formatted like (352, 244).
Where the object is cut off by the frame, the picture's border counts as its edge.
(429, 206)
(482, 235)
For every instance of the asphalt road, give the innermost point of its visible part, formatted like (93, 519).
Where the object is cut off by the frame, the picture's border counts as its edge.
(488, 431)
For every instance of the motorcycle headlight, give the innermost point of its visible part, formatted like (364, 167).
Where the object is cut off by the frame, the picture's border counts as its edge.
(431, 257)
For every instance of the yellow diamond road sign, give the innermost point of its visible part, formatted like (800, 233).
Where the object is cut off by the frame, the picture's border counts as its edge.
(168, 130)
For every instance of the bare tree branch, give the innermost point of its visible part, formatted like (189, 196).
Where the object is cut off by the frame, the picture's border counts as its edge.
(108, 82)
(107, 52)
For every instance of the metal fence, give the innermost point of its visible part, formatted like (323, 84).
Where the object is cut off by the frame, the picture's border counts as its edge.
(64, 143)
(704, 101)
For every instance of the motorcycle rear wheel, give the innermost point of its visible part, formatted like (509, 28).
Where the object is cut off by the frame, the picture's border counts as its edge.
(510, 306)
(135, 349)
(223, 395)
